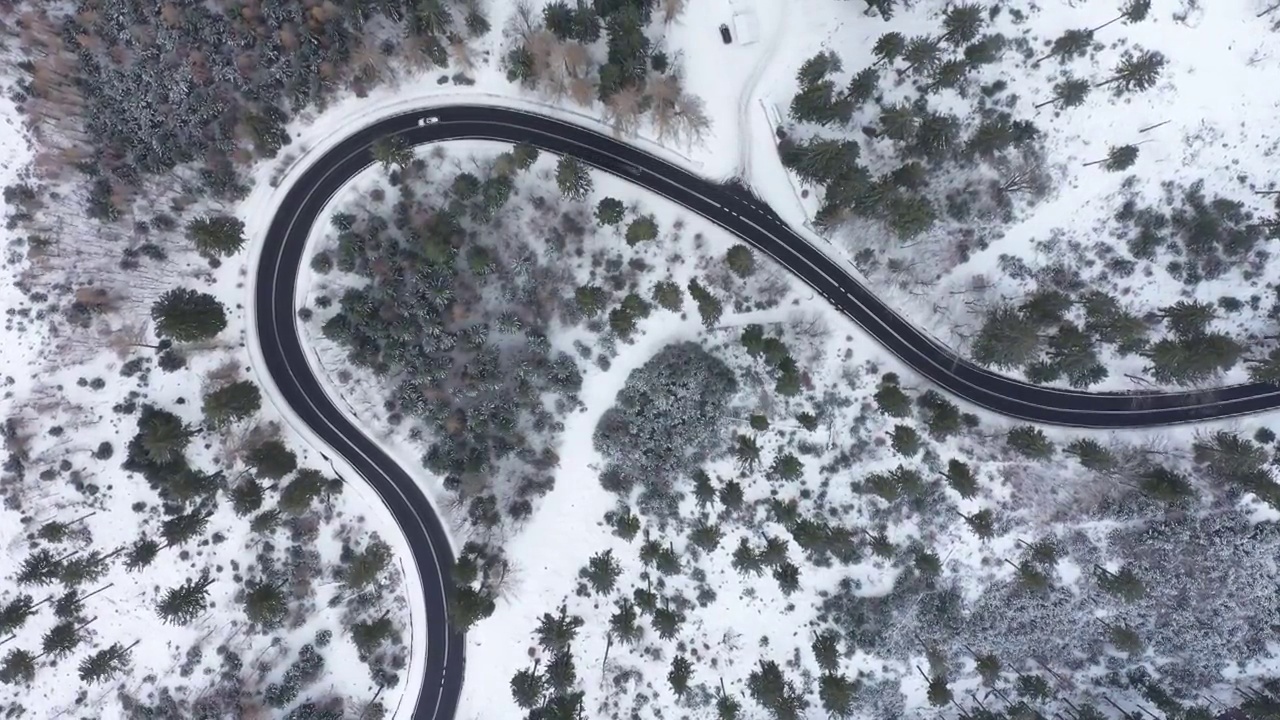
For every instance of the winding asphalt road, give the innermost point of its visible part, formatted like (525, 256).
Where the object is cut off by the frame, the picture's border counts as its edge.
(729, 206)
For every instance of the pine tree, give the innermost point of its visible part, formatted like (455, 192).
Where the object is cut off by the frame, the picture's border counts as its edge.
(188, 316)
(182, 604)
(265, 604)
(747, 453)
(709, 307)
(14, 614)
(300, 493)
(61, 640)
(667, 622)
(891, 400)
(836, 692)
(41, 568)
(246, 497)
(641, 229)
(939, 693)
(862, 87)
(610, 211)
(787, 575)
(525, 155)
(272, 459)
(182, 528)
(1188, 319)
(392, 152)
(368, 635)
(982, 523)
(141, 554)
(1134, 11)
(1070, 45)
(727, 706)
(1166, 485)
(69, 605)
(1092, 455)
(105, 664)
(601, 572)
(888, 47)
(216, 235)
(1228, 457)
(162, 435)
(1007, 339)
(527, 688)
(557, 632)
(84, 568)
(562, 673)
(961, 479)
(679, 674)
(1125, 639)
(1071, 92)
(989, 668)
(623, 623)
(591, 299)
(775, 692)
(573, 179)
(962, 23)
(787, 468)
(1191, 360)
(928, 564)
(741, 261)
(1121, 158)
(905, 440)
(1030, 441)
(1136, 72)
(231, 403)
(18, 667)
(1266, 370)
(1034, 687)
(360, 570)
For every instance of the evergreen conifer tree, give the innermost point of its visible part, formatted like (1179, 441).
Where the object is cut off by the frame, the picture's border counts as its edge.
(182, 604)
(188, 316)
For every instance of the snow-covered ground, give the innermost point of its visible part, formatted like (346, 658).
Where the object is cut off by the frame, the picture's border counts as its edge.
(1217, 99)
(71, 402)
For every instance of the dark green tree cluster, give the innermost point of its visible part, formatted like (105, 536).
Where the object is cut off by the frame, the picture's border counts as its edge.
(1192, 353)
(459, 333)
(1038, 337)
(186, 315)
(216, 235)
(157, 452)
(666, 421)
(231, 403)
(552, 692)
(925, 141)
(476, 577)
(777, 358)
(1212, 234)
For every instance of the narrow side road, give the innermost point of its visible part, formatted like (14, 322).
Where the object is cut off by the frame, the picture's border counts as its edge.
(729, 206)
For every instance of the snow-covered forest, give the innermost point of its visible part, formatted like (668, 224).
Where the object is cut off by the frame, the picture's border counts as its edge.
(1047, 168)
(750, 509)
(680, 485)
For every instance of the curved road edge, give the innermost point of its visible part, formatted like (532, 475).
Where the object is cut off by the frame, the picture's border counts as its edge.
(427, 687)
(280, 356)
